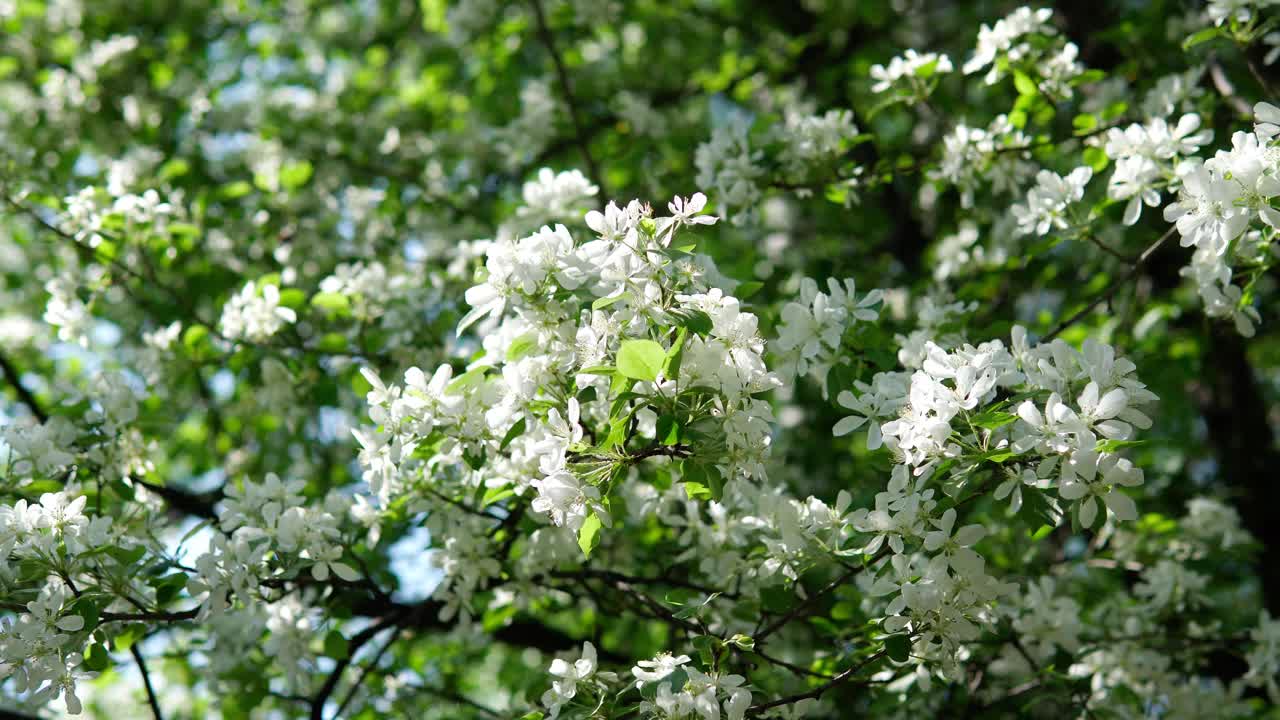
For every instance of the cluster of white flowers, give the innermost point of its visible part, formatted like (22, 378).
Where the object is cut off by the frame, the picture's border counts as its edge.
(1218, 201)
(91, 220)
(975, 157)
(270, 518)
(255, 314)
(368, 287)
(808, 147)
(1264, 656)
(1146, 155)
(557, 194)
(40, 649)
(537, 409)
(580, 676)
(1049, 201)
(41, 448)
(1238, 11)
(810, 139)
(727, 164)
(945, 414)
(700, 697)
(916, 68)
(812, 326)
(959, 253)
(1007, 39)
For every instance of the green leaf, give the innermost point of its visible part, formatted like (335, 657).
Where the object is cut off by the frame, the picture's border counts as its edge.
(1084, 122)
(521, 346)
(1040, 508)
(1024, 84)
(435, 19)
(96, 658)
(696, 320)
(747, 289)
(898, 647)
(1201, 37)
(641, 359)
(331, 303)
(184, 230)
(598, 370)
(697, 491)
(467, 380)
(88, 609)
(706, 647)
(335, 646)
(168, 587)
(671, 368)
(1110, 446)
(993, 419)
(295, 175)
(194, 337)
(129, 635)
(1096, 158)
(292, 298)
(493, 495)
(668, 430)
(235, 190)
(999, 456)
(589, 534)
(517, 429)
(334, 342)
(605, 302)
(702, 476)
(127, 557)
(475, 461)
(173, 169)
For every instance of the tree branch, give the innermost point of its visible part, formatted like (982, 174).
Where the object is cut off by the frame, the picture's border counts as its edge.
(14, 376)
(152, 700)
(1114, 287)
(356, 642)
(817, 692)
(566, 89)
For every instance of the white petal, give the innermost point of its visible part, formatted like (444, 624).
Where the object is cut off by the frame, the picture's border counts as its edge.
(345, 571)
(1088, 511)
(70, 623)
(970, 534)
(847, 425)
(1122, 505)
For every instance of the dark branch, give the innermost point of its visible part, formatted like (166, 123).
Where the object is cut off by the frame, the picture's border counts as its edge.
(1114, 287)
(566, 89)
(152, 700)
(817, 692)
(14, 377)
(357, 641)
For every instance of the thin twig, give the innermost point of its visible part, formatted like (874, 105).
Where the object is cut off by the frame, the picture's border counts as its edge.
(152, 700)
(14, 377)
(357, 641)
(364, 674)
(818, 691)
(566, 88)
(1114, 287)
(182, 616)
(1224, 87)
(1107, 248)
(800, 607)
(1257, 75)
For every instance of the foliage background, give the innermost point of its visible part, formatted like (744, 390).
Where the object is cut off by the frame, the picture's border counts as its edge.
(269, 119)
